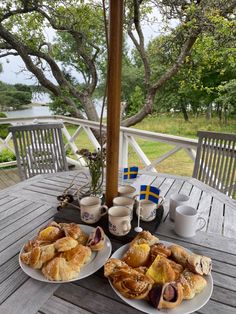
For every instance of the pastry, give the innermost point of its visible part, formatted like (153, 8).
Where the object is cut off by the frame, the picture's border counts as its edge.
(74, 231)
(159, 249)
(77, 256)
(137, 255)
(58, 269)
(179, 254)
(67, 266)
(166, 296)
(50, 233)
(131, 283)
(38, 256)
(113, 265)
(144, 237)
(96, 239)
(191, 283)
(161, 271)
(65, 244)
(34, 243)
(199, 264)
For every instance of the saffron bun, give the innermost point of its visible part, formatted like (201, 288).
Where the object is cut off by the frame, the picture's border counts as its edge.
(65, 244)
(137, 255)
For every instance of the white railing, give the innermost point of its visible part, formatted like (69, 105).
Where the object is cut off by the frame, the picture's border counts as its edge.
(128, 137)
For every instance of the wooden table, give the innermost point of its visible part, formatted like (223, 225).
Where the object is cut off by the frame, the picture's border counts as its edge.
(27, 206)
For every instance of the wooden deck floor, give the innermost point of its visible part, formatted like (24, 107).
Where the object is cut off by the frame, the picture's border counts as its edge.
(8, 177)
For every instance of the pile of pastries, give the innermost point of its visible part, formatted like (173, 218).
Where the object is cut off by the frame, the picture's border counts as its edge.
(164, 276)
(60, 250)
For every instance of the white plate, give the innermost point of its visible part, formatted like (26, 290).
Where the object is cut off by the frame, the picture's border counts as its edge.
(98, 259)
(187, 306)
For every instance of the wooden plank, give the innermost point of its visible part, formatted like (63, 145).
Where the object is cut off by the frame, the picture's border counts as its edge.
(216, 218)
(194, 197)
(6, 199)
(214, 307)
(9, 268)
(10, 204)
(186, 188)
(55, 305)
(11, 284)
(18, 214)
(13, 249)
(7, 213)
(229, 229)
(28, 298)
(23, 221)
(220, 244)
(204, 208)
(11, 238)
(82, 297)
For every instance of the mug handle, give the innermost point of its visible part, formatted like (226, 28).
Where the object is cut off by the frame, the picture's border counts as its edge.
(134, 197)
(105, 209)
(126, 225)
(161, 202)
(204, 223)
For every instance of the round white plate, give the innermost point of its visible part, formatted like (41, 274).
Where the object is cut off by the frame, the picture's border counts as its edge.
(98, 259)
(187, 306)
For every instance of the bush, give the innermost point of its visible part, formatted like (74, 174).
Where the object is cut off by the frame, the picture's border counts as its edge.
(3, 127)
(6, 155)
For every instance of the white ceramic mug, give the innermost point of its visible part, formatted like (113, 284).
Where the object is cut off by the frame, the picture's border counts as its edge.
(148, 209)
(186, 221)
(119, 220)
(127, 190)
(175, 201)
(91, 209)
(125, 201)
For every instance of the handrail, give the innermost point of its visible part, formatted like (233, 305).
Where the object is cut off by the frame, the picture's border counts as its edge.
(127, 137)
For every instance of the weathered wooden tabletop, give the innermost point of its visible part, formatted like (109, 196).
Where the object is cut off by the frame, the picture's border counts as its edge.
(27, 206)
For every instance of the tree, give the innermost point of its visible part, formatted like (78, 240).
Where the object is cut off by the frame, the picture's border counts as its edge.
(14, 96)
(79, 43)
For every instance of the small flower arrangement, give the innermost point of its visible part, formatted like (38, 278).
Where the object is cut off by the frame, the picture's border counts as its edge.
(95, 162)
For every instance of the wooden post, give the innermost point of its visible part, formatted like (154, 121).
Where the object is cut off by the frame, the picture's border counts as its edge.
(113, 98)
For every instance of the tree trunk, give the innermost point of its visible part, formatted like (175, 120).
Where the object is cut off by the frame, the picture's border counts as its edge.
(209, 112)
(184, 111)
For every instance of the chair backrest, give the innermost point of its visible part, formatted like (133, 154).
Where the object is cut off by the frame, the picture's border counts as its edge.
(215, 162)
(39, 148)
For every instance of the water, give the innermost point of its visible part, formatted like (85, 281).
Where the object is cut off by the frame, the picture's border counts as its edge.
(34, 111)
(38, 110)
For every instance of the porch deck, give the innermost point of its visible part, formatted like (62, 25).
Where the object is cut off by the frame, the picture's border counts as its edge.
(8, 177)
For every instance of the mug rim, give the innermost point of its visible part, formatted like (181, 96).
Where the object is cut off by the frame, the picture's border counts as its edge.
(186, 207)
(92, 198)
(124, 186)
(131, 200)
(120, 215)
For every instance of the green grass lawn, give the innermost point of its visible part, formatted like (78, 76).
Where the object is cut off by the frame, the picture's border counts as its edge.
(180, 163)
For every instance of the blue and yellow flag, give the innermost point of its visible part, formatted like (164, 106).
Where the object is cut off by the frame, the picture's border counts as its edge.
(130, 173)
(151, 193)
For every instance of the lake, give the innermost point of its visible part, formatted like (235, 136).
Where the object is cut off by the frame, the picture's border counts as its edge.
(38, 110)
(34, 111)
